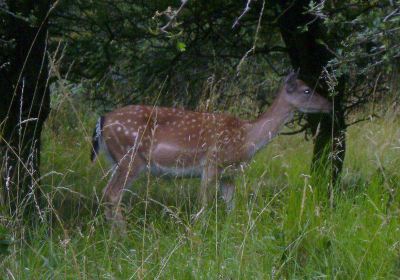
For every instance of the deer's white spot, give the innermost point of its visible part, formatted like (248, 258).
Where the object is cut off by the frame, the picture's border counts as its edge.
(119, 128)
(129, 120)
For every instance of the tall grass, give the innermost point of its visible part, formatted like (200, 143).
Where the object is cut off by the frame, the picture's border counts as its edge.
(282, 225)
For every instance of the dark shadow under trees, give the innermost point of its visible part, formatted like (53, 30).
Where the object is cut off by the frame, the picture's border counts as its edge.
(25, 103)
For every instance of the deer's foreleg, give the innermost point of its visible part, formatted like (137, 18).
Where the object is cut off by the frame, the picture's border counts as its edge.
(209, 178)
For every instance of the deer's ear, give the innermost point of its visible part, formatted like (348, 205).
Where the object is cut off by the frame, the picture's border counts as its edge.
(291, 82)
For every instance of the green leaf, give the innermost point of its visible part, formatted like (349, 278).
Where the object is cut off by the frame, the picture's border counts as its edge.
(181, 46)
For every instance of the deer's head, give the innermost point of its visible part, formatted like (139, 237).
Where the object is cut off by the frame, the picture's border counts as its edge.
(302, 97)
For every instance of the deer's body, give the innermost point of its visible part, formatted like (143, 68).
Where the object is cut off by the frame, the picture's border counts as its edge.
(175, 141)
(179, 142)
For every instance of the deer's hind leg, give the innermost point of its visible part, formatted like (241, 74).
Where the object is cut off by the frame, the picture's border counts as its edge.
(127, 170)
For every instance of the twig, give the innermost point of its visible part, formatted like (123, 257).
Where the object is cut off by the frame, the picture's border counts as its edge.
(393, 13)
(8, 12)
(364, 119)
(253, 48)
(246, 9)
(173, 17)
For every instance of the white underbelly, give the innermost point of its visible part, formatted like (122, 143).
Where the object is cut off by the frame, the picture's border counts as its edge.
(193, 171)
(168, 159)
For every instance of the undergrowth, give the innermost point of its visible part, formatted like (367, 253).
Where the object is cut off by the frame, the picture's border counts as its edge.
(282, 225)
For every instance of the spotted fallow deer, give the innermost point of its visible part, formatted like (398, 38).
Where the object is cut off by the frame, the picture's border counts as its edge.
(179, 142)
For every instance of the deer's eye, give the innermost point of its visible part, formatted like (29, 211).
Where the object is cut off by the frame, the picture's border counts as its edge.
(307, 91)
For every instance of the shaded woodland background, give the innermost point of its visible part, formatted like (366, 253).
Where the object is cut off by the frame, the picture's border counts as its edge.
(171, 53)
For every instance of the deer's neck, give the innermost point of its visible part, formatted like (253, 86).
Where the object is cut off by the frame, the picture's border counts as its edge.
(267, 126)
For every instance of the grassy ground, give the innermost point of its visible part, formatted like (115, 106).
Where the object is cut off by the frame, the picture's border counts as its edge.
(282, 226)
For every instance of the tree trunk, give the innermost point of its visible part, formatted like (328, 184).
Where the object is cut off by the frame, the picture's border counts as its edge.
(310, 57)
(25, 103)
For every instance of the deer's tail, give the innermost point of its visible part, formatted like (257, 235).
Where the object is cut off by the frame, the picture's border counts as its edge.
(96, 138)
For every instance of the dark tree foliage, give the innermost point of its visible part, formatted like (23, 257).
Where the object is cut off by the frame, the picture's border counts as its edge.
(24, 102)
(366, 51)
(126, 48)
(132, 48)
